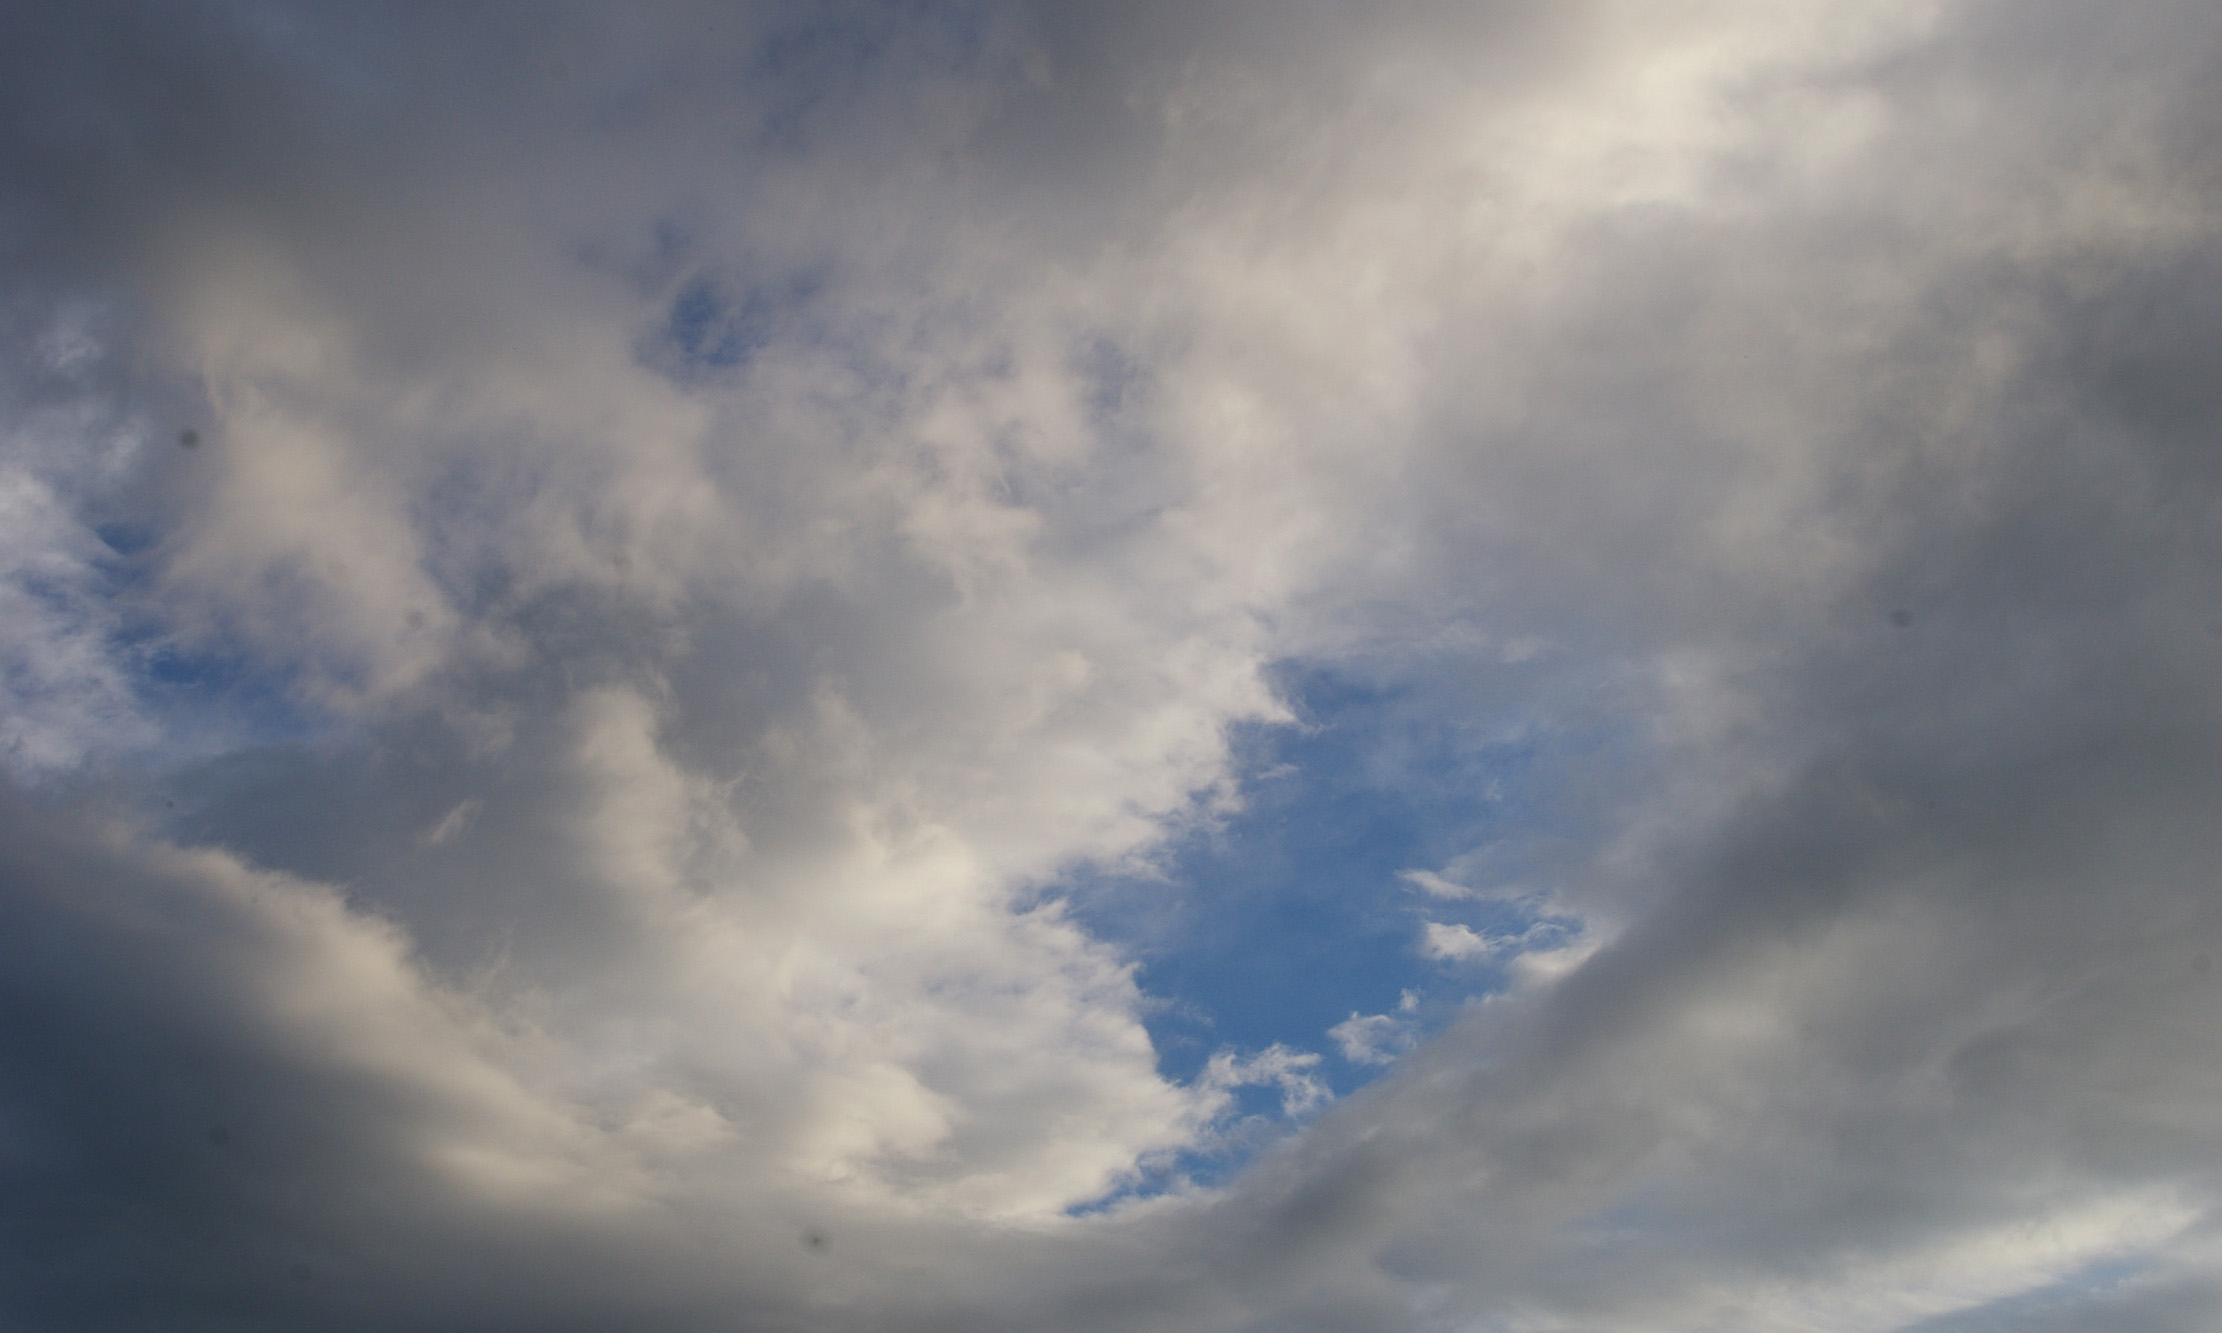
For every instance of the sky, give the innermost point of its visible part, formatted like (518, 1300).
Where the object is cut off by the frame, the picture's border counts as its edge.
(1212, 667)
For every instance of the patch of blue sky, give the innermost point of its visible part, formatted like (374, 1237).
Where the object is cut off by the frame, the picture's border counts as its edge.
(712, 327)
(716, 323)
(126, 539)
(210, 700)
(57, 589)
(1276, 923)
(205, 696)
(175, 677)
(108, 686)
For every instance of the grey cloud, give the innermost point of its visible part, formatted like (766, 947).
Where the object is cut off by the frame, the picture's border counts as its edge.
(1143, 349)
(200, 1111)
(2004, 795)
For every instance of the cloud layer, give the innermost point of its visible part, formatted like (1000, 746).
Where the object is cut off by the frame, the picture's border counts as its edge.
(586, 593)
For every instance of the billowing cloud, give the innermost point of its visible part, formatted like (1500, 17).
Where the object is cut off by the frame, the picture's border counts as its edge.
(591, 599)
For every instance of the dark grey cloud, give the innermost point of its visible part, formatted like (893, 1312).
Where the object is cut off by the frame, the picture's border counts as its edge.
(190, 1147)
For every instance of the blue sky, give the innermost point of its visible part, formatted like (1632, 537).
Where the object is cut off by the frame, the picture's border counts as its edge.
(1279, 920)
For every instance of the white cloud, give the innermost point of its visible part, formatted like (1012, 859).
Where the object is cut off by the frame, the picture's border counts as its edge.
(1276, 1066)
(1376, 1039)
(1434, 885)
(1449, 942)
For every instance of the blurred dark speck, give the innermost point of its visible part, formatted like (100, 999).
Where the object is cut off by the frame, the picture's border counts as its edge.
(1901, 617)
(189, 438)
(219, 1135)
(2201, 963)
(301, 1273)
(815, 1240)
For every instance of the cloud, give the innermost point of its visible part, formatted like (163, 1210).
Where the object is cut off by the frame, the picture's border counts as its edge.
(1434, 885)
(1450, 942)
(67, 697)
(1378, 1039)
(560, 807)
(1275, 1067)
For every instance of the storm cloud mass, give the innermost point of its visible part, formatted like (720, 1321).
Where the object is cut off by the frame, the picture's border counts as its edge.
(781, 666)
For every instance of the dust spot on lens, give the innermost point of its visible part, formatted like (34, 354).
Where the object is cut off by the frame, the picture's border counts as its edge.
(191, 439)
(814, 1240)
(1901, 617)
